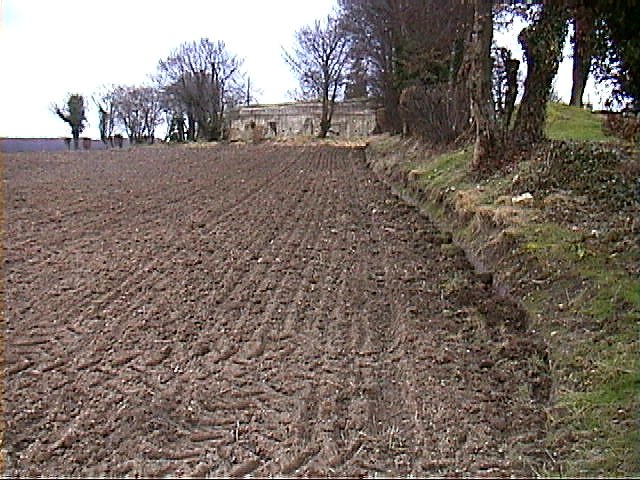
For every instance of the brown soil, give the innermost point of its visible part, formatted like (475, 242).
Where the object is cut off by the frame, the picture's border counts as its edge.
(250, 310)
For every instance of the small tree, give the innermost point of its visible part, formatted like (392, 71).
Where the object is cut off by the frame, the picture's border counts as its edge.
(319, 60)
(74, 114)
(106, 115)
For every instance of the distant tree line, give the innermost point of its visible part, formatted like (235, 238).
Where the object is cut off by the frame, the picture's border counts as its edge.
(190, 92)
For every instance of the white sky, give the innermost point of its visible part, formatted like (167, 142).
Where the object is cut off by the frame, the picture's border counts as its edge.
(50, 48)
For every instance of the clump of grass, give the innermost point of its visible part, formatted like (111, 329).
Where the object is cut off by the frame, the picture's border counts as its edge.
(446, 170)
(603, 414)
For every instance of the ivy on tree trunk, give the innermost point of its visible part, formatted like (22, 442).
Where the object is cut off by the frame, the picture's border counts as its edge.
(542, 44)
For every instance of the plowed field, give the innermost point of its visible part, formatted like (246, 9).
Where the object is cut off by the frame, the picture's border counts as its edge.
(250, 310)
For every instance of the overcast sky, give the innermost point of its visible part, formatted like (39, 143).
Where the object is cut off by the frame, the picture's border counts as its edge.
(50, 48)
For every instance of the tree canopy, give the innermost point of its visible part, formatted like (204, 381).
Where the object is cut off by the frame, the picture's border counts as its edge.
(617, 46)
(73, 113)
(199, 80)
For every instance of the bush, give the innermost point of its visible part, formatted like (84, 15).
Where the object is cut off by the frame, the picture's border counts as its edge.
(622, 126)
(602, 172)
(438, 114)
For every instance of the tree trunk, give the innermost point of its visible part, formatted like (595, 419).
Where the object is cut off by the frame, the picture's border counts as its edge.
(582, 52)
(180, 127)
(220, 133)
(76, 138)
(325, 124)
(325, 121)
(482, 111)
(191, 128)
(542, 45)
(512, 66)
(392, 109)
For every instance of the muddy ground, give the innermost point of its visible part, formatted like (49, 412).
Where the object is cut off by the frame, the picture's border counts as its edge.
(250, 310)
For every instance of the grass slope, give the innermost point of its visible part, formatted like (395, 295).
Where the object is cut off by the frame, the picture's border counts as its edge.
(565, 122)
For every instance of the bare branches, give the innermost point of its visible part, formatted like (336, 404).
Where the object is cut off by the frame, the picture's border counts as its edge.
(134, 110)
(105, 102)
(138, 110)
(403, 43)
(199, 81)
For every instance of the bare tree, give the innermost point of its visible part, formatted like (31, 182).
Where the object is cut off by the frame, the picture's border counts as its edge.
(199, 81)
(372, 27)
(319, 59)
(128, 112)
(105, 102)
(152, 111)
(406, 43)
(139, 111)
(251, 94)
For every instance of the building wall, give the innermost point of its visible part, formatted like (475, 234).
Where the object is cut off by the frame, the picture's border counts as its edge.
(351, 119)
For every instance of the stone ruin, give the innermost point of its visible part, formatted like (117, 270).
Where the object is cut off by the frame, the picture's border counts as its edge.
(351, 119)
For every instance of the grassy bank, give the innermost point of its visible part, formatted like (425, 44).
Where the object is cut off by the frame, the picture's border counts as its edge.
(560, 234)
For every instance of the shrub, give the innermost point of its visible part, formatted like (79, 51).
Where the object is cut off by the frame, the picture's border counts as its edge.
(602, 172)
(438, 114)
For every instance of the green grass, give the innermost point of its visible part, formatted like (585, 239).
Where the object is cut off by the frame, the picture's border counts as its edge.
(446, 170)
(594, 350)
(617, 296)
(596, 360)
(565, 122)
(602, 413)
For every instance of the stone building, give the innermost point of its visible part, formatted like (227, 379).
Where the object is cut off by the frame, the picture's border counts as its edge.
(351, 119)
